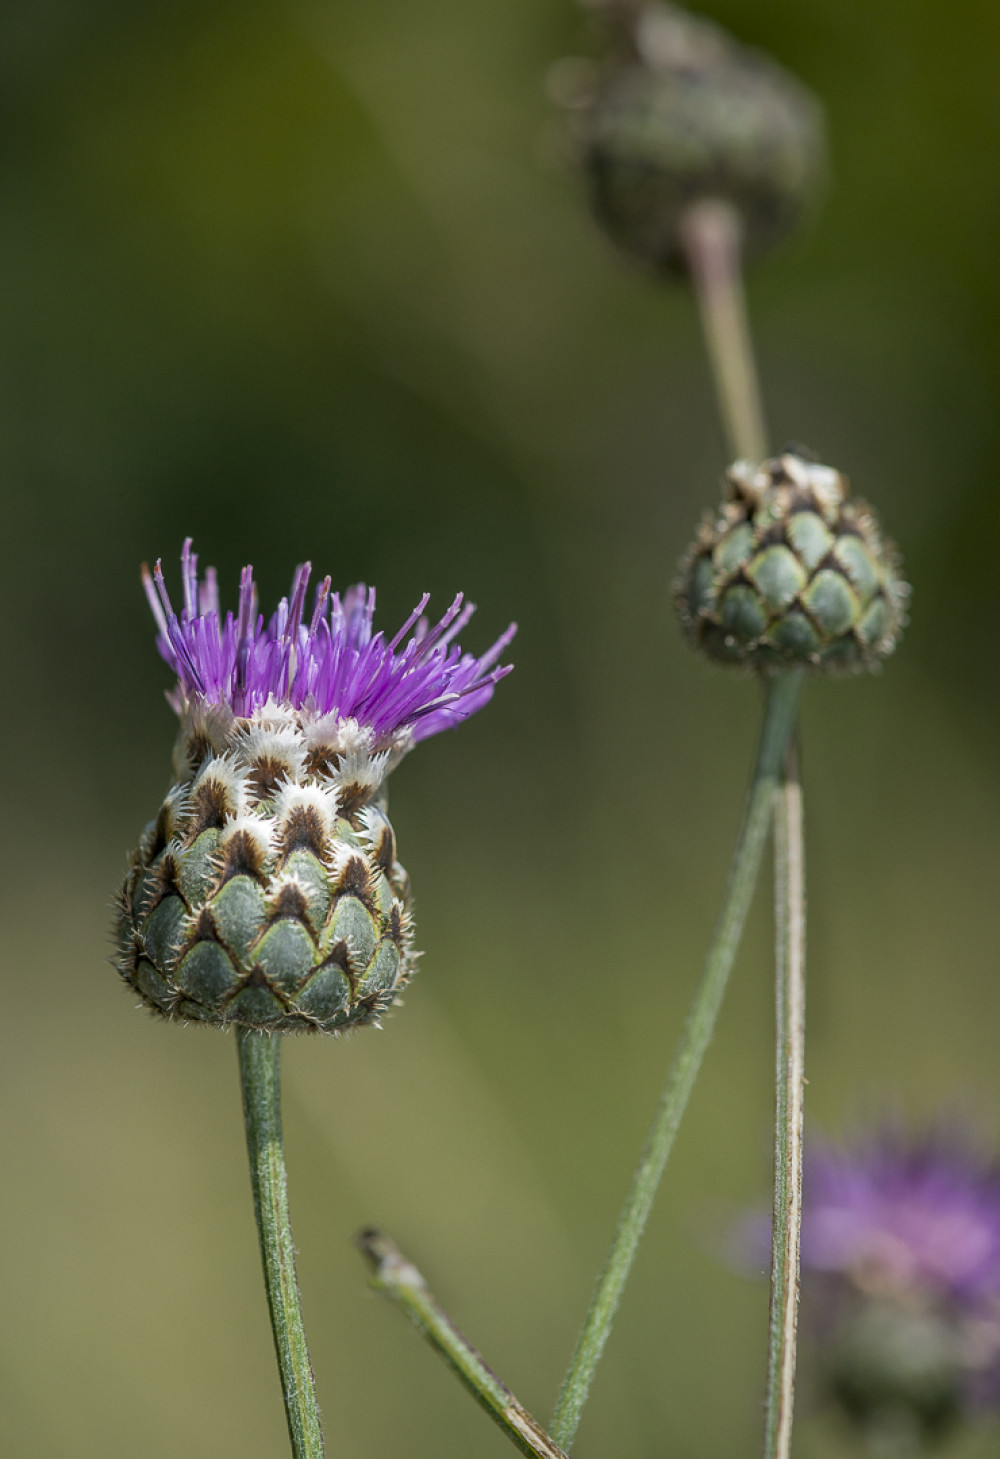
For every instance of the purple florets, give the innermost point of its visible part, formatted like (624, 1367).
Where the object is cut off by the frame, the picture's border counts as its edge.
(329, 663)
(898, 1216)
(901, 1256)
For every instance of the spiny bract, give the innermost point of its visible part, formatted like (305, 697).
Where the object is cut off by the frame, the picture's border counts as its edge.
(790, 571)
(267, 892)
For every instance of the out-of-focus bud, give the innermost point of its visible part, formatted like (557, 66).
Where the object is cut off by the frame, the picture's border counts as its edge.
(789, 570)
(680, 112)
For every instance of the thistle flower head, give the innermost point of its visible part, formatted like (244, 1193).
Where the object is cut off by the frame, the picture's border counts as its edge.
(320, 659)
(266, 892)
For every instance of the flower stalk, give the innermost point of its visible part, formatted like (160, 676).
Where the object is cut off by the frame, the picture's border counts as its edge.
(400, 1280)
(790, 1001)
(782, 698)
(711, 236)
(260, 1078)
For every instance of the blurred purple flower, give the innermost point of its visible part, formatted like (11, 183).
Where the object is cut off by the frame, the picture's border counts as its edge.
(326, 662)
(899, 1216)
(900, 1276)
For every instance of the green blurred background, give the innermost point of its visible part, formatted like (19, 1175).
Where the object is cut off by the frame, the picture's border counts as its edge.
(312, 280)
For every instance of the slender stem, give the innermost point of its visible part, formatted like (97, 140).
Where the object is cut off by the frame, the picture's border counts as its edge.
(401, 1281)
(260, 1078)
(711, 235)
(790, 1001)
(779, 722)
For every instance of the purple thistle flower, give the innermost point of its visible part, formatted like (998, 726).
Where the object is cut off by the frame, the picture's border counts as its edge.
(901, 1277)
(267, 892)
(901, 1236)
(325, 662)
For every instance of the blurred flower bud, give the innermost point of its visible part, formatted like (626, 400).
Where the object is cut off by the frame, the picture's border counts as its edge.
(267, 893)
(680, 112)
(790, 571)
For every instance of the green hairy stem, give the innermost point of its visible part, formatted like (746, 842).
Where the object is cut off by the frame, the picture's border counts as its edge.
(401, 1281)
(260, 1076)
(790, 1003)
(711, 233)
(782, 698)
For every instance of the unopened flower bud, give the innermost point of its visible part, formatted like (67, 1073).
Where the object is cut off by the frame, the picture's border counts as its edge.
(680, 113)
(790, 570)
